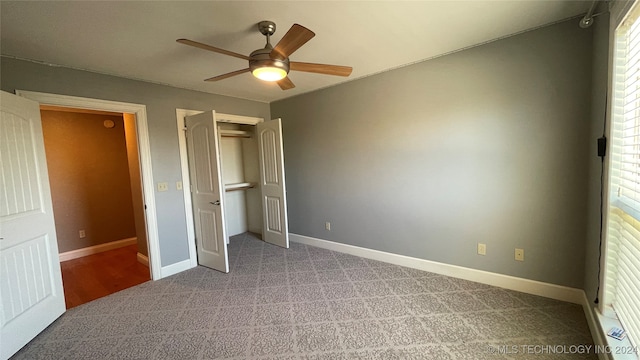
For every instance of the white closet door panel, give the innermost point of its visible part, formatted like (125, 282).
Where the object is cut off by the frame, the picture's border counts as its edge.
(272, 184)
(31, 294)
(207, 191)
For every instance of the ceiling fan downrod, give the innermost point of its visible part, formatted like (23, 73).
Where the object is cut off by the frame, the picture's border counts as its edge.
(267, 28)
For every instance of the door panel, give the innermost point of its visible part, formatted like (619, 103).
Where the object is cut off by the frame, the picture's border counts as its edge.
(206, 191)
(31, 293)
(208, 223)
(274, 203)
(268, 156)
(274, 217)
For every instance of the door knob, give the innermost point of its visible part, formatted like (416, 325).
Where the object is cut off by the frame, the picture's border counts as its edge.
(217, 202)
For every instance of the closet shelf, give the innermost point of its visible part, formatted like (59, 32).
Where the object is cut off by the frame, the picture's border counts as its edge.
(234, 133)
(238, 186)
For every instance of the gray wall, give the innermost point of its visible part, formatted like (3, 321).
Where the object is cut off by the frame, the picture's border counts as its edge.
(161, 102)
(599, 90)
(491, 144)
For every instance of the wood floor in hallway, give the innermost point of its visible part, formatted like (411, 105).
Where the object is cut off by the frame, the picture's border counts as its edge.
(94, 276)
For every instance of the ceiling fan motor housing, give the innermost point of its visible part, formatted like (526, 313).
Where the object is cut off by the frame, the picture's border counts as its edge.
(262, 58)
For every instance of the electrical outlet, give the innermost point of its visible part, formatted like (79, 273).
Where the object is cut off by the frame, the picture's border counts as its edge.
(520, 254)
(163, 186)
(82, 234)
(327, 226)
(482, 249)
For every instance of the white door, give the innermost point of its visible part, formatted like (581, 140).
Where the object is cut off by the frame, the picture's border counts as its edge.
(206, 190)
(31, 294)
(274, 200)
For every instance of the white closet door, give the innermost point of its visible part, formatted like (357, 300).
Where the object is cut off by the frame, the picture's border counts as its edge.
(31, 294)
(207, 191)
(274, 202)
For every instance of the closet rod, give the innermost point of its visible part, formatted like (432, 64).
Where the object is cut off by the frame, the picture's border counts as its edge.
(235, 136)
(234, 133)
(236, 187)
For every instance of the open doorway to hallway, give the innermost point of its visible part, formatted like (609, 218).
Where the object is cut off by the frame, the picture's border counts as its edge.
(96, 188)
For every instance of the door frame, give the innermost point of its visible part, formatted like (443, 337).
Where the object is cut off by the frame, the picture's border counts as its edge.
(184, 167)
(144, 151)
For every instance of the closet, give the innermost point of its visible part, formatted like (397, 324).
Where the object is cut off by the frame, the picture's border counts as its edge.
(236, 170)
(241, 178)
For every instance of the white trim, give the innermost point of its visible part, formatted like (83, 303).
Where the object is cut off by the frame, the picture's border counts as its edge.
(594, 325)
(618, 10)
(599, 324)
(144, 150)
(186, 183)
(176, 268)
(605, 323)
(604, 206)
(539, 288)
(78, 253)
(143, 259)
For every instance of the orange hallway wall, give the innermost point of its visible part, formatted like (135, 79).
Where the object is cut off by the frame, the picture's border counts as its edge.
(136, 182)
(89, 176)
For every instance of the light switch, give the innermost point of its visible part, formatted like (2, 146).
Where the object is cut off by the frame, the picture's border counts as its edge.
(179, 185)
(163, 186)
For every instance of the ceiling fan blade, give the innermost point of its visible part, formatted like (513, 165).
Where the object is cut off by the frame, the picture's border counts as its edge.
(211, 48)
(227, 75)
(321, 68)
(286, 84)
(297, 36)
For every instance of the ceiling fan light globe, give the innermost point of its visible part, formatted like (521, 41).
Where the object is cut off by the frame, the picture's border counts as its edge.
(269, 73)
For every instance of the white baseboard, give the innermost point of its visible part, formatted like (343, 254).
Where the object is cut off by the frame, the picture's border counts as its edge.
(175, 268)
(539, 288)
(74, 254)
(143, 259)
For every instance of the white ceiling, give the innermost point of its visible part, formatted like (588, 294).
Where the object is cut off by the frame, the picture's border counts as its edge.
(136, 39)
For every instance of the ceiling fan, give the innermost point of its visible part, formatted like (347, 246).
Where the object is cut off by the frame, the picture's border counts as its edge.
(272, 63)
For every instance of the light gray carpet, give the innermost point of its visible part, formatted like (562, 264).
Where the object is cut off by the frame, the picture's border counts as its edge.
(311, 303)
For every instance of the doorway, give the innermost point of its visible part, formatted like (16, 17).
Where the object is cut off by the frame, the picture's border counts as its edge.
(261, 161)
(140, 114)
(96, 189)
(33, 264)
